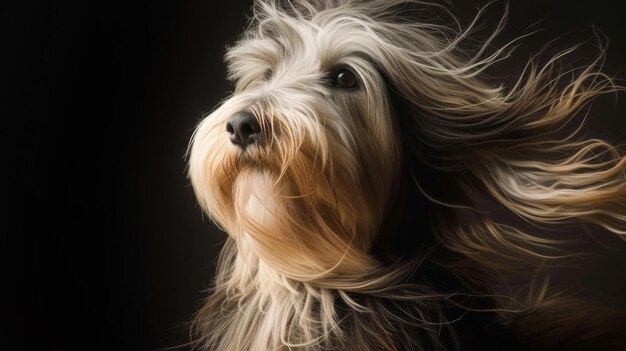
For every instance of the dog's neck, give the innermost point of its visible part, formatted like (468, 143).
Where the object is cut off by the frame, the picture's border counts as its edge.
(269, 307)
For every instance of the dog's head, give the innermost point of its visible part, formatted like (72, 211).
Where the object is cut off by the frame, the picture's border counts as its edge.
(338, 105)
(301, 163)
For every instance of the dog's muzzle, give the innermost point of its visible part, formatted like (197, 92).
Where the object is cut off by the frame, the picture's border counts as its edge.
(243, 129)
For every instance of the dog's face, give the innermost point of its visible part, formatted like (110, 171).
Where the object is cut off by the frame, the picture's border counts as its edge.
(299, 162)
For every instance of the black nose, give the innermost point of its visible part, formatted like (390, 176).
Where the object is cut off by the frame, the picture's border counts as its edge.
(243, 129)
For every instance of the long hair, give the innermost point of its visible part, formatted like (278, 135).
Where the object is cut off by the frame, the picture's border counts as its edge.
(305, 212)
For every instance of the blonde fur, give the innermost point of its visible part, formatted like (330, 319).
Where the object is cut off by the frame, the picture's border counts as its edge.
(303, 208)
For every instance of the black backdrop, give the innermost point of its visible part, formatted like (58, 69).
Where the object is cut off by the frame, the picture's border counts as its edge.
(104, 247)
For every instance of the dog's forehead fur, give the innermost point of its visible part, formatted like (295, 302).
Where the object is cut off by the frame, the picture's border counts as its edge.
(313, 37)
(308, 48)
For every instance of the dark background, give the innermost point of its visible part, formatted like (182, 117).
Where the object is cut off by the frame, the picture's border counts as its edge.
(103, 245)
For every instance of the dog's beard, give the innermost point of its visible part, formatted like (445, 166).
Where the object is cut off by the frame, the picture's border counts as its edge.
(294, 226)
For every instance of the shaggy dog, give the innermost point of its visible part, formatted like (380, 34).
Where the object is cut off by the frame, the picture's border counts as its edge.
(349, 167)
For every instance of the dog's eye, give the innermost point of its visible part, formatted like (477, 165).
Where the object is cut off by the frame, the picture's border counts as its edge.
(267, 75)
(343, 78)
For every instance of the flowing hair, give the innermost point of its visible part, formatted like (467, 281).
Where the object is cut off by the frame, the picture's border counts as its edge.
(517, 146)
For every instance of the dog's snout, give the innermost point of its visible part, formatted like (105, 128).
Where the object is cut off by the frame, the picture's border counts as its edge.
(243, 129)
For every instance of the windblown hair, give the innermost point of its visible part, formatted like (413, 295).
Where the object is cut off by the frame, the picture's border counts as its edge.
(306, 208)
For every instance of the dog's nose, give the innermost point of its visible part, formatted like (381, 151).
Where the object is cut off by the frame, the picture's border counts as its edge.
(243, 129)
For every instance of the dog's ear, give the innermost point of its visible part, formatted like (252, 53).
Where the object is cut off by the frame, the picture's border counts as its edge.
(415, 148)
(404, 113)
(408, 225)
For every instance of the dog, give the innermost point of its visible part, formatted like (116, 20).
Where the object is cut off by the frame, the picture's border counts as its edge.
(348, 167)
